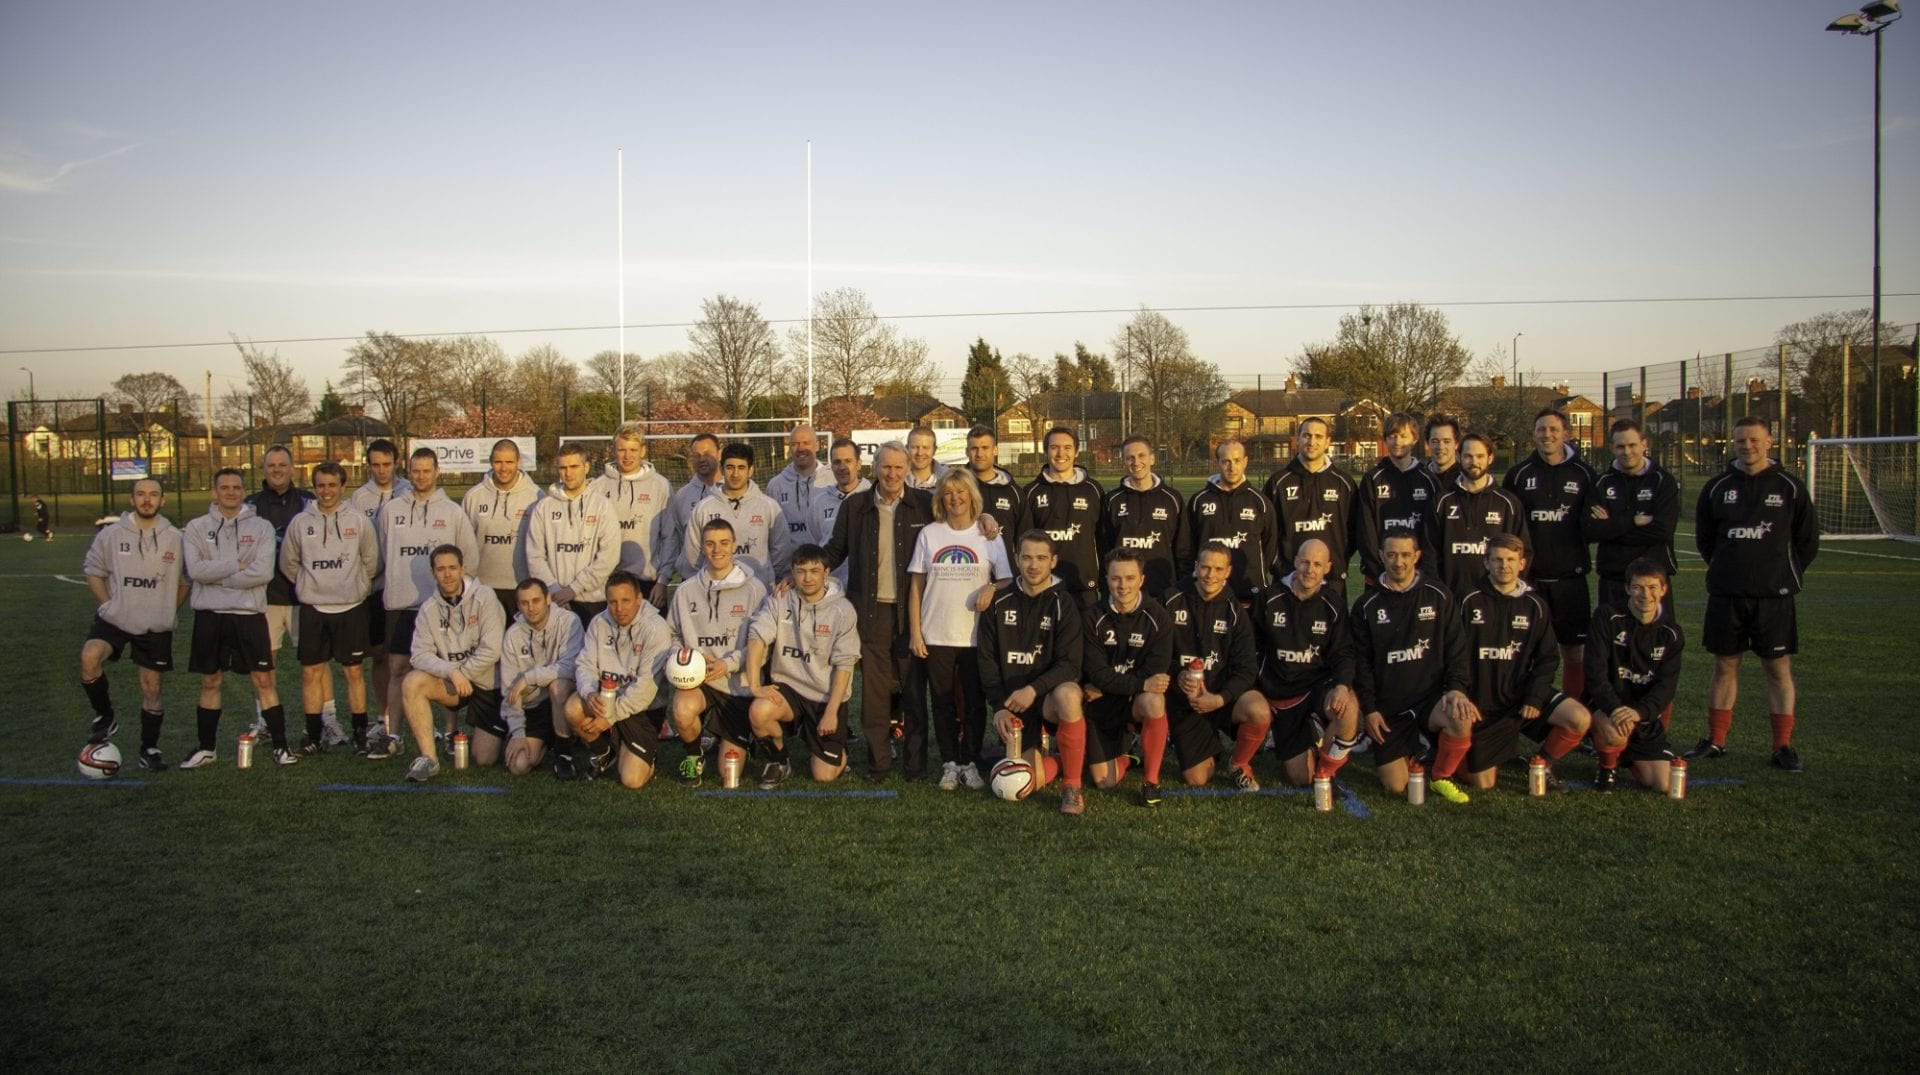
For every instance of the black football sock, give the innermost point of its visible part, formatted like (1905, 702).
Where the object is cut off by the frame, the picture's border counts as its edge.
(99, 697)
(359, 722)
(691, 746)
(777, 750)
(149, 730)
(276, 718)
(314, 727)
(208, 721)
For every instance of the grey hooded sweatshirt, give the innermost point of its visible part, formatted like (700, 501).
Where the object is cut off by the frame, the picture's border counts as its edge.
(500, 518)
(143, 569)
(230, 561)
(333, 559)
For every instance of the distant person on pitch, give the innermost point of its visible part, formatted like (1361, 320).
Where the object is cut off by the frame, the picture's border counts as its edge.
(42, 519)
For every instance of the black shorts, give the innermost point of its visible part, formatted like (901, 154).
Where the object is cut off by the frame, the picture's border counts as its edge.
(151, 650)
(1297, 727)
(376, 606)
(831, 749)
(1496, 740)
(1647, 742)
(483, 711)
(539, 721)
(1196, 736)
(229, 642)
(399, 633)
(726, 715)
(1109, 720)
(1768, 626)
(1406, 735)
(1572, 607)
(340, 637)
(637, 733)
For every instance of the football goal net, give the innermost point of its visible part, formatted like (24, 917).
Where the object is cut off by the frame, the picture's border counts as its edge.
(1863, 487)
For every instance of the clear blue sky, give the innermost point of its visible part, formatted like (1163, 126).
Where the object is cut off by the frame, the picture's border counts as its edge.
(182, 171)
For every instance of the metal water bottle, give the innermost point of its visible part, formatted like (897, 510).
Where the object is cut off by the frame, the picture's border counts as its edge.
(1323, 793)
(244, 756)
(462, 750)
(1537, 776)
(609, 686)
(1677, 779)
(1416, 785)
(730, 761)
(1013, 740)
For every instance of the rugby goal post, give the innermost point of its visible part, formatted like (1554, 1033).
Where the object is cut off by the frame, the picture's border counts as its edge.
(665, 450)
(1863, 487)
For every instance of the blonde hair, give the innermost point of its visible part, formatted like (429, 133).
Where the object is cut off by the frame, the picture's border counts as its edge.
(962, 479)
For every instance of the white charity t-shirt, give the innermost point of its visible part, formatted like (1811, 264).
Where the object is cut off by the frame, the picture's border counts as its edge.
(956, 563)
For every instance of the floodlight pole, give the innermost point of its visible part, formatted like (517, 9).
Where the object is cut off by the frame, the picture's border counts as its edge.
(620, 255)
(1872, 20)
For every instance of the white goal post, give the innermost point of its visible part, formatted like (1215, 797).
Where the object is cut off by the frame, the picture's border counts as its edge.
(1863, 487)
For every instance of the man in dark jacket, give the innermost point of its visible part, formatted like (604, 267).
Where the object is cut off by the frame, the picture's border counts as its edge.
(874, 535)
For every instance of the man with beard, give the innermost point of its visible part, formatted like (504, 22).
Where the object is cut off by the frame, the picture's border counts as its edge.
(1467, 514)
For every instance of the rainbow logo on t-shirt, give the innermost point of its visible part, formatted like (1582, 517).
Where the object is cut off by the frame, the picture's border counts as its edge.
(955, 554)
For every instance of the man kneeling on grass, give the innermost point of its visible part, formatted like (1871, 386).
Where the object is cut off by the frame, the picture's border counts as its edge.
(1513, 656)
(1633, 669)
(455, 658)
(1410, 668)
(1029, 641)
(618, 674)
(812, 634)
(536, 680)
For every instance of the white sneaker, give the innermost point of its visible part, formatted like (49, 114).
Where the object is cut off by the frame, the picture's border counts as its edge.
(197, 759)
(949, 777)
(282, 756)
(423, 769)
(332, 734)
(970, 774)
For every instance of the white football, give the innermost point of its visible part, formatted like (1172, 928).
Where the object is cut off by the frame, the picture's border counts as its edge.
(26, 537)
(99, 761)
(687, 668)
(1012, 779)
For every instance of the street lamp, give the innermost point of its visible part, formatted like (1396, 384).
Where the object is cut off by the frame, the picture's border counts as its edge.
(31, 398)
(1870, 21)
(1516, 358)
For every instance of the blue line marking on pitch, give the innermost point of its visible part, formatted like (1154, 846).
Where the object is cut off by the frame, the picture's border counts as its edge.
(1228, 793)
(1724, 782)
(798, 794)
(452, 789)
(74, 782)
(1352, 802)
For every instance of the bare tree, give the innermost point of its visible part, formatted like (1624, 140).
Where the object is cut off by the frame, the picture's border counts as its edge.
(473, 370)
(603, 374)
(1033, 382)
(154, 397)
(1195, 406)
(542, 385)
(1816, 352)
(852, 347)
(395, 374)
(278, 394)
(734, 351)
(1154, 354)
(1401, 357)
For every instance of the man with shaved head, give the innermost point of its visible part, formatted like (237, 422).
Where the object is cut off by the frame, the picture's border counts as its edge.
(1306, 669)
(797, 487)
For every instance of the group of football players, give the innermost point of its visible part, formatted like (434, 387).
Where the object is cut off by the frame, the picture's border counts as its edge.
(1092, 627)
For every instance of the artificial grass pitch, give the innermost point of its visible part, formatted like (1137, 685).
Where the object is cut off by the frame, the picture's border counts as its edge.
(223, 919)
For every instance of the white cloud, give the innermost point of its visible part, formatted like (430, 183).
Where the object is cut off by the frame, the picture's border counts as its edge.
(14, 179)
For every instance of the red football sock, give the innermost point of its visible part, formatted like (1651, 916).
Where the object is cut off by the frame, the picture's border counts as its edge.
(1782, 729)
(1071, 742)
(1573, 678)
(1718, 723)
(1610, 759)
(1247, 739)
(1449, 754)
(1153, 747)
(1120, 767)
(1325, 766)
(1049, 768)
(1559, 741)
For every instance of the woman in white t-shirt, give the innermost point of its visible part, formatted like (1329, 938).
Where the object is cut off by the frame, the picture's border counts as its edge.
(953, 570)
